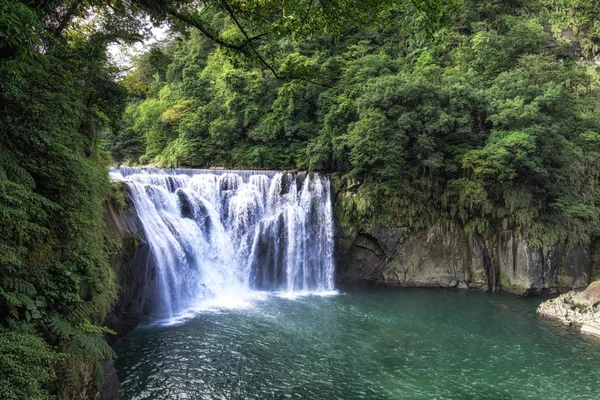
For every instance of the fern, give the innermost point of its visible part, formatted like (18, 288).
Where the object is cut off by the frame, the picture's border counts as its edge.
(13, 171)
(60, 327)
(91, 328)
(20, 286)
(82, 311)
(24, 360)
(93, 345)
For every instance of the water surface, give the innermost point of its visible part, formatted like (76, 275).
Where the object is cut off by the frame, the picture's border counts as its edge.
(383, 344)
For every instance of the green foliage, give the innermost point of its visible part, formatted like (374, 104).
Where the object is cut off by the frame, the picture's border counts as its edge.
(24, 361)
(484, 113)
(192, 103)
(56, 283)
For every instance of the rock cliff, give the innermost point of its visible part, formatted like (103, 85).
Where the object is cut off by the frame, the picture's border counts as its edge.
(445, 256)
(132, 263)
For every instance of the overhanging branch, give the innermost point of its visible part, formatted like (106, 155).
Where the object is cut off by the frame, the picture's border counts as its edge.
(246, 47)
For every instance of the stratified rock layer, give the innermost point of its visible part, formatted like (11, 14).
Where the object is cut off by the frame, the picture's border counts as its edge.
(578, 309)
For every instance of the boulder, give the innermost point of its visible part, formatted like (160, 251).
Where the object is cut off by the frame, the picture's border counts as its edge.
(578, 309)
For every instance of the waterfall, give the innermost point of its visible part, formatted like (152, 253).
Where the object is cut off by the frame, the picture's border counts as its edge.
(224, 233)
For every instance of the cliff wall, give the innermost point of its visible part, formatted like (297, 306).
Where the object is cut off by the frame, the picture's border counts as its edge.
(132, 262)
(444, 255)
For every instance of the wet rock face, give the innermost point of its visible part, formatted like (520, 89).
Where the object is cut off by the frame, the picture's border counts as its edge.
(109, 389)
(524, 270)
(392, 257)
(445, 256)
(132, 265)
(134, 271)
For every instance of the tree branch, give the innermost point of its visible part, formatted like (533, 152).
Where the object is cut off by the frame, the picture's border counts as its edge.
(202, 28)
(246, 47)
(255, 51)
(306, 15)
(64, 21)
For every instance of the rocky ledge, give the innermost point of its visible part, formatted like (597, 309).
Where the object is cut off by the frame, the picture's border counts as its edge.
(578, 309)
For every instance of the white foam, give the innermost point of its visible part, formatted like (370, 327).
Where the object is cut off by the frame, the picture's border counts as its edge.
(217, 239)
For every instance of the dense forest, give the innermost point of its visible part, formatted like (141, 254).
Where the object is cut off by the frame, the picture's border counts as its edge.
(486, 114)
(57, 90)
(480, 112)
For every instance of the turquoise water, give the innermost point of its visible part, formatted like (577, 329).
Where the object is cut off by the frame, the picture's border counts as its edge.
(381, 344)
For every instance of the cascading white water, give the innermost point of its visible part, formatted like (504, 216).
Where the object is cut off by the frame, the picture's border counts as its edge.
(223, 234)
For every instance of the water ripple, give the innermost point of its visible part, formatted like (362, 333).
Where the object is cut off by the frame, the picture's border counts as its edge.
(407, 344)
